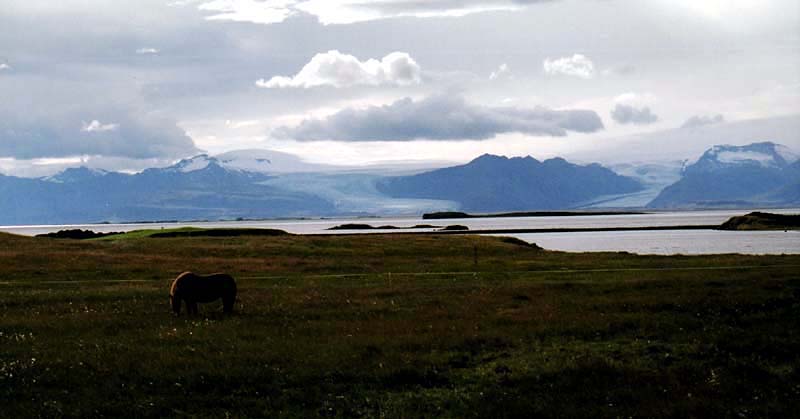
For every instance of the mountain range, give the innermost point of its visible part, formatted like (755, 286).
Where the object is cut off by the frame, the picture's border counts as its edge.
(266, 184)
(196, 188)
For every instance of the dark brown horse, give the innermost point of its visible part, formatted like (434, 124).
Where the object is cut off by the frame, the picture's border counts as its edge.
(195, 289)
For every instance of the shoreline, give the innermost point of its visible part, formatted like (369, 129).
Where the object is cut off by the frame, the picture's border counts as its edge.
(542, 214)
(526, 230)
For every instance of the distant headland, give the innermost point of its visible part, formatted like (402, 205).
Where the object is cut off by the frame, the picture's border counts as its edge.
(456, 214)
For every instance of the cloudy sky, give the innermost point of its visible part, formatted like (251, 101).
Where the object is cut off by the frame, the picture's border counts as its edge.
(131, 84)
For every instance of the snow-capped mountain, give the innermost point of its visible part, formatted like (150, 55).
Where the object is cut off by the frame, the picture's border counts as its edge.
(269, 161)
(764, 154)
(276, 162)
(758, 174)
(193, 164)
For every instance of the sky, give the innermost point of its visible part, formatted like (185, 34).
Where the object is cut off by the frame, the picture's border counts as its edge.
(125, 85)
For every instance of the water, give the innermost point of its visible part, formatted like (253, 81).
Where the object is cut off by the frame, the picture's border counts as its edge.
(670, 242)
(645, 242)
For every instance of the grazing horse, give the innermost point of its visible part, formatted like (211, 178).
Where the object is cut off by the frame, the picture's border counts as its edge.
(195, 289)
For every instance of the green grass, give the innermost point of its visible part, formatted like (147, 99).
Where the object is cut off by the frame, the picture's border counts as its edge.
(394, 326)
(139, 234)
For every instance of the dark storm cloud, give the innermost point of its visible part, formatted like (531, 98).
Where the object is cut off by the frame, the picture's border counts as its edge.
(440, 118)
(701, 120)
(630, 114)
(112, 133)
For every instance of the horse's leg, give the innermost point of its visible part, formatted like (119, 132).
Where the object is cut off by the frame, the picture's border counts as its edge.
(227, 304)
(175, 302)
(191, 307)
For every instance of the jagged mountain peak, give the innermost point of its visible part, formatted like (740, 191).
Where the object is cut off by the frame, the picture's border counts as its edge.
(192, 164)
(493, 158)
(489, 158)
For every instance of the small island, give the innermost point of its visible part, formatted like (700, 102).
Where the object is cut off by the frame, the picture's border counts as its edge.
(762, 221)
(455, 227)
(356, 226)
(77, 234)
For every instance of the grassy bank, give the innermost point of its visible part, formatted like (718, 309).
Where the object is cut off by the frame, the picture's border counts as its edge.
(394, 326)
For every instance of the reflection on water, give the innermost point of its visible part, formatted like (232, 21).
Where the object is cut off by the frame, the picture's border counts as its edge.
(655, 242)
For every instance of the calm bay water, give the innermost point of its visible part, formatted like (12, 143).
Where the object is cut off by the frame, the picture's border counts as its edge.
(645, 242)
(669, 242)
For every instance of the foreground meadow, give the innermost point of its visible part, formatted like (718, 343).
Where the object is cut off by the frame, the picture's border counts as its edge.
(394, 326)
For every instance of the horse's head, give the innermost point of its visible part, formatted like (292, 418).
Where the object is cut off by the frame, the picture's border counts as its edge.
(175, 292)
(175, 303)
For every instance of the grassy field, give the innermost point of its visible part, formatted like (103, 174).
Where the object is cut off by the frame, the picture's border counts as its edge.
(394, 326)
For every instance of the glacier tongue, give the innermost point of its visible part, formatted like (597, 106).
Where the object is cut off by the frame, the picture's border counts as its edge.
(788, 154)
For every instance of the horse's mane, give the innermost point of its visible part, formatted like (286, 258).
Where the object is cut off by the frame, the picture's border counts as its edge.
(178, 279)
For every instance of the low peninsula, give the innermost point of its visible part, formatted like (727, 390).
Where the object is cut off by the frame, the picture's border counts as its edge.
(762, 221)
(443, 215)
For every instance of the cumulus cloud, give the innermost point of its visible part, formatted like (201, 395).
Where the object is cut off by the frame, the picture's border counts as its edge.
(97, 126)
(147, 51)
(630, 114)
(577, 66)
(347, 11)
(501, 71)
(4, 66)
(133, 135)
(440, 118)
(335, 69)
(701, 120)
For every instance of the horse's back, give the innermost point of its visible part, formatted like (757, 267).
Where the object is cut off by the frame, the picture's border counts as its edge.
(206, 288)
(222, 280)
(220, 277)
